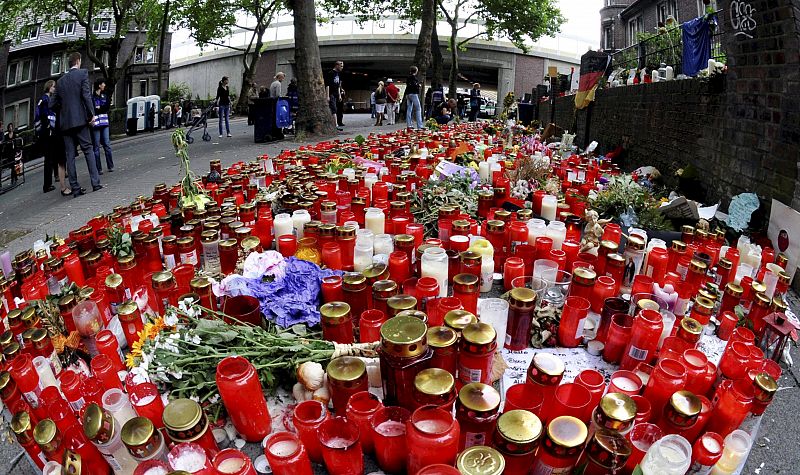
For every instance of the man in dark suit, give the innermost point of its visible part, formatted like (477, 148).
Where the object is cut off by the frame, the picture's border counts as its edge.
(73, 100)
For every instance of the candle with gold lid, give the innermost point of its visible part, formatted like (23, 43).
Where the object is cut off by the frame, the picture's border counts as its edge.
(476, 353)
(561, 446)
(22, 427)
(104, 432)
(545, 372)
(403, 353)
(435, 386)
(143, 441)
(765, 388)
(443, 341)
(185, 421)
(616, 412)
(49, 439)
(606, 452)
(522, 302)
(481, 460)
(398, 303)
(477, 409)
(681, 413)
(517, 437)
(347, 375)
(337, 322)
(382, 291)
(458, 319)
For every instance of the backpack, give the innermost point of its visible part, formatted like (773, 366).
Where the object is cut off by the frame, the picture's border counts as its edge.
(283, 115)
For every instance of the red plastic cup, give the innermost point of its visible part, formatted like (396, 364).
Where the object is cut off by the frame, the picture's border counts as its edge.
(625, 382)
(570, 399)
(524, 396)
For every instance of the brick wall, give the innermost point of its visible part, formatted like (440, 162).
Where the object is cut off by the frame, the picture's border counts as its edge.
(741, 131)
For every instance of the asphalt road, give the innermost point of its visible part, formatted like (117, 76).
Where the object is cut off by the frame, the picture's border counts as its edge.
(26, 214)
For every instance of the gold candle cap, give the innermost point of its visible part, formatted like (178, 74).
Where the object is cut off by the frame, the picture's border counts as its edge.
(346, 368)
(140, 437)
(567, 432)
(522, 297)
(434, 382)
(758, 287)
(354, 279)
(734, 290)
(608, 449)
(704, 305)
(404, 238)
(414, 313)
(98, 424)
(686, 229)
(398, 303)
(466, 282)
(22, 427)
(470, 257)
(519, 426)
(71, 463)
(376, 271)
(698, 266)
(458, 319)
(46, 435)
(441, 337)
(200, 283)
(762, 300)
(181, 414)
(480, 460)
(609, 247)
(404, 337)
(779, 305)
(127, 309)
(648, 304)
(335, 312)
(635, 242)
(495, 225)
(618, 407)
(548, 364)
(228, 244)
(685, 403)
(724, 263)
(691, 326)
(163, 280)
(384, 288)
(479, 333)
(113, 281)
(479, 397)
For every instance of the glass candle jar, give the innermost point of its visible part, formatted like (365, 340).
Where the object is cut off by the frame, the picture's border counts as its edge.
(233, 462)
(435, 264)
(645, 334)
(668, 376)
(347, 375)
(517, 437)
(477, 409)
(670, 455)
(332, 289)
(389, 436)
(733, 402)
(185, 421)
(435, 386)
(357, 294)
(166, 290)
(337, 322)
(561, 447)
(634, 257)
(619, 332)
(522, 302)
(476, 353)
(131, 320)
(432, 437)
(241, 392)
(546, 372)
(706, 451)
(143, 441)
(583, 282)
(228, 255)
(286, 454)
(307, 417)
(341, 448)
(400, 303)
(606, 452)
(681, 413)
(382, 291)
(573, 318)
(346, 238)
(443, 342)
(403, 353)
(466, 288)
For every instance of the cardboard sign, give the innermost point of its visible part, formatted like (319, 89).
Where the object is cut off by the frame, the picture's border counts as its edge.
(784, 232)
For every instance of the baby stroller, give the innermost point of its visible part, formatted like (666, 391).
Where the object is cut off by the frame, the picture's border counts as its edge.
(200, 119)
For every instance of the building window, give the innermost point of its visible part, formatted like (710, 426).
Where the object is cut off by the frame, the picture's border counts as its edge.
(101, 25)
(103, 56)
(608, 37)
(143, 87)
(666, 9)
(701, 7)
(59, 63)
(65, 29)
(18, 113)
(19, 72)
(144, 54)
(31, 32)
(635, 26)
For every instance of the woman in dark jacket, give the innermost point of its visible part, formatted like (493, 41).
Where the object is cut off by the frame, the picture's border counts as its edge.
(100, 129)
(223, 102)
(49, 142)
(12, 151)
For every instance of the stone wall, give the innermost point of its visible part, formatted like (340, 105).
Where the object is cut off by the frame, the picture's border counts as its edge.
(741, 131)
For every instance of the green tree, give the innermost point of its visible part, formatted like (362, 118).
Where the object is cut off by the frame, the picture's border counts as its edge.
(519, 21)
(210, 21)
(125, 15)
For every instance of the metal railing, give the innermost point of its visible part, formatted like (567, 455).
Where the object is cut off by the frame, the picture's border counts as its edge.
(667, 48)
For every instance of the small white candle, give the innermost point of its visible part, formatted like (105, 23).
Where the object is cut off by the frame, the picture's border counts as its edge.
(283, 448)
(549, 206)
(374, 220)
(283, 225)
(557, 231)
(299, 218)
(483, 171)
(625, 384)
(434, 264)
(231, 465)
(362, 256)
(536, 228)
(370, 179)
(383, 244)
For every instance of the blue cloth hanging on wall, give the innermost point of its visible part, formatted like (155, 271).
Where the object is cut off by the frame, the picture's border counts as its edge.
(696, 45)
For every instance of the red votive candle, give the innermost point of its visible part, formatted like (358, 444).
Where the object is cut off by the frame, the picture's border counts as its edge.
(513, 267)
(369, 325)
(525, 396)
(619, 332)
(337, 322)
(543, 245)
(466, 288)
(432, 438)
(286, 454)
(241, 392)
(347, 375)
(733, 401)
(668, 376)
(595, 382)
(107, 345)
(332, 289)
(287, 245)
(332, 255)
(361, 407)
(573, 316)
(233, 462)
(104, 370)
(147, 402)
(476, 353)
(625, 382)
(570, 399)
(341, 448)
(399, 266)
(645, 333)
(389, 437)
(307, 417)
(603, 289)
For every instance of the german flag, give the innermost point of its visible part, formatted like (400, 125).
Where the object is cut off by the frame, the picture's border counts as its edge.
(593, 67)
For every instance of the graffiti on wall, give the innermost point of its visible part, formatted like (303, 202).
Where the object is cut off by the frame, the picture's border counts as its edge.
(742, 19)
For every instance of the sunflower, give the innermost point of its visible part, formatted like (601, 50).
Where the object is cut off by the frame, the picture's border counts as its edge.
(148, 332)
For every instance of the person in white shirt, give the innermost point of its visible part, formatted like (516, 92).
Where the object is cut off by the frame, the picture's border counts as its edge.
(275, 87)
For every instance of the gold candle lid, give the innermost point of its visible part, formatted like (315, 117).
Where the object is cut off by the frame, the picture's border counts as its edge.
(140, 437)
(779, 305)
(128, 308)
(71, 463)
(608, 246)
(495, 225)
(376, 271)
(28, 315)
(16, 314)
(480, 460)
(697, 266)
(758, 287)
(458, 319)
(470, 257)
(354, 279)
(126, 262)
(762, 300)
(434, 382)
(460, 225)
(335, 312)
(502, 215)
(414, 313)
(181, 414)
(685, 403)
(648, 304)
(384, 288)
(686, 229)
(479, 397)
(46, 435)
(724, 263)
(6, 338)
(478, 333)
(519, 426)
(635, 242)
(567, 432)
(734, 290)
(704, 305)
(22, 427)
(113, 281)
(404, 337)
(346, 368)
(228, 244)
(548, 364)
(765, 387)
(467, 282)
(584, 276)
(609, 449)
(398, 303)
(251, 243)
(404, 238)
(691, 326)
(200, 283)
(441, 337)
(163, 280)
(98, 424)
(618, 407)
(522, 297)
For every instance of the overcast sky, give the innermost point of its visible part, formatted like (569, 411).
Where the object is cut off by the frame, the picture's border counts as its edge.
(583, 19)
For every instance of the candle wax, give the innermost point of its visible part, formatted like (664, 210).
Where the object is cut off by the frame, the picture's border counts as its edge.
(432, 426)
(145, 400)
(711, 445)
(190, 461)
(625, 384)
(157, 471)
(338, 443)
(391, 428)
(284, 448)
(231, 465)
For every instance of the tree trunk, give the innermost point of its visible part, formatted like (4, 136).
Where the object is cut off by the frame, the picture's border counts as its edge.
(250, 60)
(454, 55)
(422, 54)
(437, 61)
(314, 116)
(161, 40)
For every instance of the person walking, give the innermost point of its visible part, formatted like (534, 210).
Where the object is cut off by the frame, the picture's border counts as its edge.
(276, 88)
(474, 102)
(100, 130)
(178, 110)
(12, 150)
(49, 141)
(73, 102)
(333, 85)
(380, 103)
(223, 102)
(392, 98)
(294, 95)
(413, 106)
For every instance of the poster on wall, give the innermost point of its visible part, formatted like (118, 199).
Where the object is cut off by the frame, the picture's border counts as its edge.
(784, 232)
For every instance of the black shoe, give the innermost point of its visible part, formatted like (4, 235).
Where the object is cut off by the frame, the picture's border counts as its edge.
(97, 188)
(340, 128)
(80, 192)
(99, 172)
(110, 170)
(49, 189)
(340, 125)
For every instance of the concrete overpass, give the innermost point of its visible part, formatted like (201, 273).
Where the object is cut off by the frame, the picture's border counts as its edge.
(375, 52)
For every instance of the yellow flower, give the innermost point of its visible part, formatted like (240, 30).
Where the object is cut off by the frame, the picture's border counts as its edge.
(130, 360)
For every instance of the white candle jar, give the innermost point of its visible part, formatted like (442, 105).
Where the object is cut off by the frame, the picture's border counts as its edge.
(434, 264)
(557, 231)
(536, 228)
(374, 220)
(383, 244)
(549, 207)
(299, 219)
